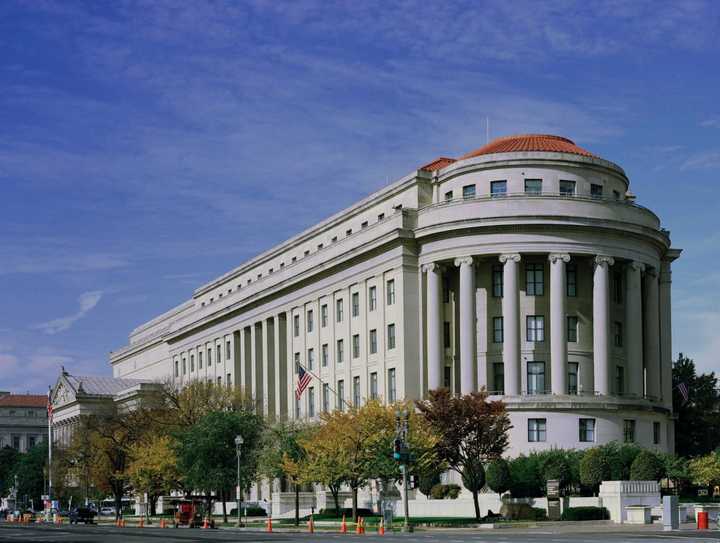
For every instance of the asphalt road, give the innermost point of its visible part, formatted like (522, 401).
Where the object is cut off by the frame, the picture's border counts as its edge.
(585, 534)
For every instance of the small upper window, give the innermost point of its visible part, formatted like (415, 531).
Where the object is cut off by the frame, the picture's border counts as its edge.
(334, 239)
(307, 252)
(348, 231)
(616, 194)
(448, 196)
(498, 188)
(567, 188)
(364, 224)
(469, 191)
(533, 186)
(596, 191)
(381, 216)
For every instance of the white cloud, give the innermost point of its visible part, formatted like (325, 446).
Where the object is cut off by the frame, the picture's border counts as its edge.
(713, 122)
(704, 160)
(87, 301)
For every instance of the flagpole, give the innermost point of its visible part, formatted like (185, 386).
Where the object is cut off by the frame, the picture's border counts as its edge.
(50, 414)
(328, 384)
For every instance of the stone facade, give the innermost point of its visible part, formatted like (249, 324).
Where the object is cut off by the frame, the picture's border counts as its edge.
(23, 420)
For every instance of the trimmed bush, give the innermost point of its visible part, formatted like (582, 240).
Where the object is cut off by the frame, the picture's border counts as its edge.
(427, 481)
(585, 513)
(347, 511)
(441, 492)
(497, 476)
(647, 466)
(594, 468)
(556, 466)
(437, 492)
(253, 511)
(453, 491)
(527, 481)
(522, 511)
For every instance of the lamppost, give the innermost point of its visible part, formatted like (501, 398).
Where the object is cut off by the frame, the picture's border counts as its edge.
(238, 447)
(401, 454)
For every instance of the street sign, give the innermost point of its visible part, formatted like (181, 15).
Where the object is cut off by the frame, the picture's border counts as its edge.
(45, 497)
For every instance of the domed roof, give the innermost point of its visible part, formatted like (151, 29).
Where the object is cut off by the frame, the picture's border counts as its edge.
(529, 142)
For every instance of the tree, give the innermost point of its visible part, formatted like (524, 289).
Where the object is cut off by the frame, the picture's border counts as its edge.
(647, 466)
(471, 431)
(705, 470)
(153, 467)
(594, 468)
(185, 407)
(620, 457)
(8, 459)
(29, 471)
(526, 476)
(498, 475)
(555, 466)
(676, 469)
(697, 429)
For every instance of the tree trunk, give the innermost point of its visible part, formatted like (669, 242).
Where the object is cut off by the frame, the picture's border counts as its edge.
(354, 503)
(297, 504)
(224, 495)
(477, 505)
(336, 498)
(153, 504)
(118, 505)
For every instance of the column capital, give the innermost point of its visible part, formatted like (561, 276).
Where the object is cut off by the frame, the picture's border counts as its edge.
(464, 260)
(432, 267)
(636, 266)
(651, 272)
(601, 260)
(515, 257)
(554, 257)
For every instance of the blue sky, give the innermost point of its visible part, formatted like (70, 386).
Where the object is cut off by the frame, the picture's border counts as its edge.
(147, 147)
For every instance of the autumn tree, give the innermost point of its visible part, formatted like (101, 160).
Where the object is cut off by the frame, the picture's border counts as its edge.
(186, 406)
(705, 470)
(153, 467)
(471, 430)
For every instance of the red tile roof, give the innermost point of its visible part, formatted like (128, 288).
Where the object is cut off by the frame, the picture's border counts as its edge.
(438, 164)
(24, 400)
(529, 142)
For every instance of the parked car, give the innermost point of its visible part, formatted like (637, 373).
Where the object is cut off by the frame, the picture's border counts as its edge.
(82, 514)
(107, 511)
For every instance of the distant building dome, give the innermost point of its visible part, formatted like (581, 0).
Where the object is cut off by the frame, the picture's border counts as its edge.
(529, 142)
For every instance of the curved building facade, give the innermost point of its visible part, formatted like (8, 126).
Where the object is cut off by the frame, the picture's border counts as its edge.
(525, 267)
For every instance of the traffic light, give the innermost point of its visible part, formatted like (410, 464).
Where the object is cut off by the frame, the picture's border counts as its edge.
(397, 449)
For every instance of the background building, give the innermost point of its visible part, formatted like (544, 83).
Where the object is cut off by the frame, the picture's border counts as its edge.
(23, 420)
(525, 267)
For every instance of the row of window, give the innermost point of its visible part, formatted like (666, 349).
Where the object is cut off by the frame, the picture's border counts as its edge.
(498, 189)
(535, 280)
(340, 349)
(22, 413)
(15, 442)
(340, 402)
(537, 430)
(535, 330)
(182, 365)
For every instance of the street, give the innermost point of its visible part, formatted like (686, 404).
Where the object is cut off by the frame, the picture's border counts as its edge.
(545, 534)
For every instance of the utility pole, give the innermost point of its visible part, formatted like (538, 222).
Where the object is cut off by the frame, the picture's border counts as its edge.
(402, 455)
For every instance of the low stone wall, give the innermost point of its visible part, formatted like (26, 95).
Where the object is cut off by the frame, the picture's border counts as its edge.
(618, 495)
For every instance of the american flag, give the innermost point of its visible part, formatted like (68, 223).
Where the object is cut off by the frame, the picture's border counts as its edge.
(304, 379)
(49, 405)
(684, 392)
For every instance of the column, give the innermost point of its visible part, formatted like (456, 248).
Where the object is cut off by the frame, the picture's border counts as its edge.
(633, 327)
(652, 334)
(666, 331)
(558, 322)
(467, 325)
(434, 325)
(279, 336)
(511, 323)
(601, 323)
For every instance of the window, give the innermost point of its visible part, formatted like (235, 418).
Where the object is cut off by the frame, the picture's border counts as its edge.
(334, 239)
(320, 246)
(326, 398)
(209, 352)
(616, 194)
(219, 353)
(537, 429)
(533, 186)
(390, 292)
(323, 315)
(373, 341)
(391, 336)
(228, 380)
(534, 280)
(587, 430)
(498, 330)
(618, 332)
(629, 430)
(619, 380)
(573, 368)
(535, 328)
(356, 391)
(499, 378)
(219, 380)
(324, 354)
(297, 362)
(311, 402)
(498, 189)
(571, 280)
(617, 288)
(572, 329)
(311, 358)
(356, 346)
(228, 353)
(16, 442)
(339, 311)
(31, 442)
(446, 335)
(192, 363)
(448, 196)
(381, 216)
(447, 377)
(469, 191)
(536, 377)
(567, 188)
(372, 298)
(310, 320)
(596, 191)
(364, 224)
(446, 290)
(340, 351)
(373, 386)
(200, 353)
(296, 325)
(177, 369)
(348, 232)
(184, 366)
(392, 396)
(497, 281)
(656, 433)
(341, 395)
(306, 253)
(355, 304)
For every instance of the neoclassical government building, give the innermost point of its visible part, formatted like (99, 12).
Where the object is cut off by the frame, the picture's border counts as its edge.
(525, 267)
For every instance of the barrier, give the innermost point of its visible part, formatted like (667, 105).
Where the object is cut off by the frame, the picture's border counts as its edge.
(268, 525)
(343, 525)
(381, 527)
(702, 520)
(311, 525)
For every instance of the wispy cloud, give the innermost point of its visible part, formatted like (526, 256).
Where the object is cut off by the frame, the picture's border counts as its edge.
(713, 122)
(87, 301)
(702, 161)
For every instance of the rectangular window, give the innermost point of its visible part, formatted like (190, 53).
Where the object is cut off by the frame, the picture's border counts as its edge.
(536, 377)
(192, 363)
(200, 353)
(356, 346)
(573, 368)
(323, 315)
(310, 320)
(311, 359)
(571, 280)
(363, 225)
(340, 351)
(446, 290)
(656, 433)
(498, 189)
(596, 191)
(616, 194)
(392, 395)
(177, 369)
(469, 191)
(572, 329)
(31, 442)
(372, 298)
(184, 366)
(296, 325)
(325, 355)
(567, 188)
(209, 352)
(219, 354)
(537, 429)
(228, 351)
(373, 341)
(297, 362)
(356, 391)
(618, 333)
(219, 380)
(390, 292)
(629, 431)
(326, 398)
(381, 216)
(447, 377)
(311, 402)
(448, 196)
(498, 330)
(499, 378)
(587, 430)
(373, 386)
(535, 328)
(228, 380)
(617, 288)
(16, 443)
(534, 279)
(340, 395)
(619, 380)
(533, 186)
(339, 311)
(391, 336)
(497, 281)
(356, 304)
(446, 335)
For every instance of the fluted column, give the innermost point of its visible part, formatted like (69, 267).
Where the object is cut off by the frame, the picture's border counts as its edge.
(511, 323)
(601, 323)
(558, 324)
(633, 327)
(652, 334)
(666, 331)
(467, 324)
(434, 325)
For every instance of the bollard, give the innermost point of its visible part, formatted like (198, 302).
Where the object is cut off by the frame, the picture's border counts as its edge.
(343, 525)
(311, 525)
(268, 525)
(702, 520)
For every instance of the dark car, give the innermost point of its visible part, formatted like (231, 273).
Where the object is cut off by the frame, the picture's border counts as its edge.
(82, 514)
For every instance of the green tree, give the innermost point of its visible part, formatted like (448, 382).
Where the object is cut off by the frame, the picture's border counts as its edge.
(554, 465)
(498, 475)
(29, 471)
(153, 467)
(620, 457)
(8, 459)
(647, 466)
(526, 476)
(594, 468)
(471, 431)
(705, 470)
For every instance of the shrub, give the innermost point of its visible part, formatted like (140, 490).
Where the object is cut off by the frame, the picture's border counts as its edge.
(620, 457)
(647, 466)
(556, 466)
(252, 511)
(453, 491)
(347, 511)
(527, 481)
(585, 513)
(427, 481)
(594, 468)
(437, 492)
(440, 491)
(522, 511)
(497, 475)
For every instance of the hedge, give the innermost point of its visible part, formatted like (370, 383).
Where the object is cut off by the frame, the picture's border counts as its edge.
(585, 513)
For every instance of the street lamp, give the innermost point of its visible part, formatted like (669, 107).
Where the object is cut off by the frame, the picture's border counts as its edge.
(402, 421)
(238, 447)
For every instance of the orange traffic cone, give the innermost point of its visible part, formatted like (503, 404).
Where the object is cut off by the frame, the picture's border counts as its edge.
(268, 525)
(206, 524)
(362, 519)
(141, 524)
(311, 525)
(343, 525)
(381, 527)
(358, 525)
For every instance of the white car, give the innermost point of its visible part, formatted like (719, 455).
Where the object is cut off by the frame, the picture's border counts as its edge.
(107, 511)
